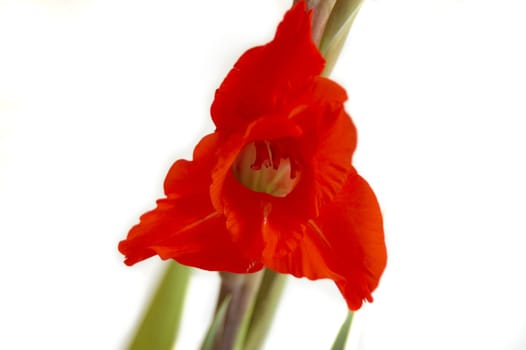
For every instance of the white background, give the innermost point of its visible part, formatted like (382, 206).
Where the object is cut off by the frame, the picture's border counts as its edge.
(99, 97)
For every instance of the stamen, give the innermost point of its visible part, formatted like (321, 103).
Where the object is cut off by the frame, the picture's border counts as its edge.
(262, 156)
(266, 166)
(276, 155)
(294, 168)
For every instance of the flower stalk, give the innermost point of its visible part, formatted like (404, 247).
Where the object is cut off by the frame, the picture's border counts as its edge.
(241, 289)
(267, 301)
(336, 30)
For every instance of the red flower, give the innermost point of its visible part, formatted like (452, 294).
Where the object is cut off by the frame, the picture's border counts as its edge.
(273, 185)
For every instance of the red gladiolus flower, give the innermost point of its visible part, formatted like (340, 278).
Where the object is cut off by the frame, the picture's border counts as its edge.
(274, 185)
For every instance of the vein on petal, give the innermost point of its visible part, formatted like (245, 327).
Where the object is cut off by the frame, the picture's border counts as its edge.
(318, 230)
(196, 223)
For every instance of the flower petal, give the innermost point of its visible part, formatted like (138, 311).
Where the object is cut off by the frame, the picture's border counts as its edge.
(324, 137)
(329, 147)
(187, 236)
(345, 243)
(177, 182)
(185, 226)
(265, 77)
(208, 245)
(356, 210)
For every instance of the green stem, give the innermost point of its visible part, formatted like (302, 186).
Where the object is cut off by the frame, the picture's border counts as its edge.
(265, 307)
(160, 324)
(241, 289)
(217, 324)
(336, 31)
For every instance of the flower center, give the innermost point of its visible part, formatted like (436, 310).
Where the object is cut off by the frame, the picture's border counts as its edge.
(262, 166)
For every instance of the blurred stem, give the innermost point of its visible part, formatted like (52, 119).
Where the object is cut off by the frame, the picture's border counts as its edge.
(160, 324)
(336, 31)
(342, 11)
(265, 307)
(241, 289)
(217, 323)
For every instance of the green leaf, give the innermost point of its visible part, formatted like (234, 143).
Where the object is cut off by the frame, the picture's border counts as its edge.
(217, 325)
(343, 333)
(160, 324)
